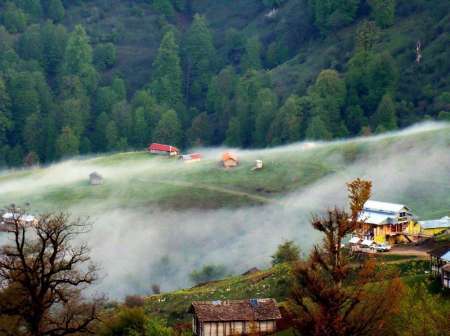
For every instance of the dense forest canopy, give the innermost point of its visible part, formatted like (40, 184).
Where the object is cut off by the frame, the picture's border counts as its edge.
(79, 77)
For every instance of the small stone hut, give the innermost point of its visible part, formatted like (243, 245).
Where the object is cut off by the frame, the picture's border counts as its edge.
(234, 317)
(95, 178)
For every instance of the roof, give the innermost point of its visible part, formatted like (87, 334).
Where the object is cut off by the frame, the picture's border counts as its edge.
(446, 256)
(229, 156)
(354, 240)
(236, 310)
(367, 242)
(439, 251)
(385, 207)
(193, 156)
(444, 222)
(373, 217)
(162, 148)
(446, 268)
(95, 174)
(22, 217)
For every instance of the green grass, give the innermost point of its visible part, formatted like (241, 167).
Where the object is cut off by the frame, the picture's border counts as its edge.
(137, 179)
(274, 282)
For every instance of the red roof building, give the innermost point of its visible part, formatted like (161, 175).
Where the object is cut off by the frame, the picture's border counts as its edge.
(156, 148)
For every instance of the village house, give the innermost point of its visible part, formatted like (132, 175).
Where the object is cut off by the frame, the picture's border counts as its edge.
(95, 178)
(229, 160)
(440, 264)
(388, 222)
(439, 257)
(234, 317)
(194, 157)
(436, 226)
(156, 148)
(8, 219)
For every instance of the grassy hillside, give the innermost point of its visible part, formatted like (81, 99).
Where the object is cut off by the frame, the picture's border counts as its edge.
(137, 179)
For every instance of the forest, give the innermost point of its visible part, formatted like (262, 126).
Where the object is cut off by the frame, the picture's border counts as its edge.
(80, 77)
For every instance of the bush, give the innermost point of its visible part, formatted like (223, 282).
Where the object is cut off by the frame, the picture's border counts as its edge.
(133, 301)
(105, 56)
(208, 273)
(286, 252)
(14, 19)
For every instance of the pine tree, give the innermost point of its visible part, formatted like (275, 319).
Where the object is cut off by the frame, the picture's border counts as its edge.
(166, 84)
(266, 105)
(67, 143)
(233, 135)
(111, 135)
(385, 115)
(200, 60)
(317, 130)
(383, 11)
(99, 136)
(329, 95)
(33, 136)
(6, 122)
(200, 132)
(168, 129)
(252, 56)
(286, 125)
(55, 10)
(141, 130)
(54, 39)
(78, 54)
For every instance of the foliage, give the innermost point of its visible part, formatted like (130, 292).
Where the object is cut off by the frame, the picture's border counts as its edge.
(168, 129)
(329, 297)
(208, 273)
(43, 274)
(286, 252)
(383, 11)
(105, 56)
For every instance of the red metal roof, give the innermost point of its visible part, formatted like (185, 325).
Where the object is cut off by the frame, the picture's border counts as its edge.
(163, 148)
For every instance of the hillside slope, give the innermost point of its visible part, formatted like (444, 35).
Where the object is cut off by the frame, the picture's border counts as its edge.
(183, 216)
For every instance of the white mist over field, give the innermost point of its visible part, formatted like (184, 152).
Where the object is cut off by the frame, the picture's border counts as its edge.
(137, 246)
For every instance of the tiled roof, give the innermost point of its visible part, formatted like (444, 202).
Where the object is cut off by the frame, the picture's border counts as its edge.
(444, 222)
(439, 251)
(236, 310)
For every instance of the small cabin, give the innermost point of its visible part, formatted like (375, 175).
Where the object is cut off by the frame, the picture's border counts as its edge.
(439, 257)
(234, 317)
(95, 178)
(229, 160)
(161, 149)
(188, 158)
(258, 165)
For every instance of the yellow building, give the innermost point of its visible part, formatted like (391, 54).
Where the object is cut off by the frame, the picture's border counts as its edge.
(436, 226)
(388, 222)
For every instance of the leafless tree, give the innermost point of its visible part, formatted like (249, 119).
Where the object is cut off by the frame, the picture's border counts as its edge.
(42, 276)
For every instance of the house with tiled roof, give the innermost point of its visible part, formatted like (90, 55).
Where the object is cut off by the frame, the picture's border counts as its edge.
(234, 317)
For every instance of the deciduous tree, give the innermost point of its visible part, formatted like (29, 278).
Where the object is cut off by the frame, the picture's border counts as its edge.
(43, 273)
(332, 297)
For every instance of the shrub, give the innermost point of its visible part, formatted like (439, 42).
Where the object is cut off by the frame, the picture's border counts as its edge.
(208, 273)
(286, 252)
(133, 301)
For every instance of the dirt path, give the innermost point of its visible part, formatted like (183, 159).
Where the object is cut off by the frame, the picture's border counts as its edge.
(197, 185)
(409, 250)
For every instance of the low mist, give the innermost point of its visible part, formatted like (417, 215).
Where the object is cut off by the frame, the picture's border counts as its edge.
(138, 247)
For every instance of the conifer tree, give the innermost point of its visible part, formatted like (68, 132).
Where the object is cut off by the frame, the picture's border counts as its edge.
(200, 132)
(252, 55)
(233, 135)
(317, 130)
(383, 11)
(168, 129)
(68, 143)
(111, 135)
(6, 122)
(266, 105)
(166, 84)
(200, 60)
(286, 125)
(385, 115)
(55, 10)
(78, 54)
